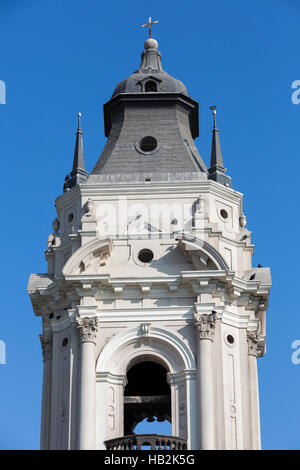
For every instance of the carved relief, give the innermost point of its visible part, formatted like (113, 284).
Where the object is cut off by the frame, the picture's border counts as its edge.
(111, 421)
(88, 329)
(143, 333)
(205, 326)
(111, 408)
(145, 329)
(182, 410)
(253, 344)
(93, 263)
(46, 343)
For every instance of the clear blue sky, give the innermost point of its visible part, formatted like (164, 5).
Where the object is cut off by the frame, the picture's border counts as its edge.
(59, 57)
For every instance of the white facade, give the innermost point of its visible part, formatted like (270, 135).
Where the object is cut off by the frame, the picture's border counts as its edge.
(198, 308)
(192, 275)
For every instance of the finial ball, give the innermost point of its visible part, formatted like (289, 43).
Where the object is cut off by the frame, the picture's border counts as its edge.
(151, 44)
(79, 115)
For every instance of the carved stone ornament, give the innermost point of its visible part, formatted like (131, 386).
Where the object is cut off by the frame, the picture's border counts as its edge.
(54, 238)
(253, 346)
(55, 225)
(145, 329)
(243, 220)
(88, 329)
(205, 326)
(89, 208)
(46, 343)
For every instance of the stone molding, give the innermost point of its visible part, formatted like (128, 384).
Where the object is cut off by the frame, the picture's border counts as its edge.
(179, 377)
(205, 325)
(107, 377)
(88, 329)
(169, 347)
(46, 343)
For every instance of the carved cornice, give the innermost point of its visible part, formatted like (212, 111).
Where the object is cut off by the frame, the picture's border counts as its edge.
(46, 343)
(87, 329)
(191, 187)
(205, 326)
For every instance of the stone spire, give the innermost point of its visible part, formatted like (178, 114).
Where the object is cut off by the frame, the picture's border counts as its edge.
(78, 174)
(217, 171)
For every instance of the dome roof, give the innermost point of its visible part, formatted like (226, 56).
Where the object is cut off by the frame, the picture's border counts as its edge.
(150, 77)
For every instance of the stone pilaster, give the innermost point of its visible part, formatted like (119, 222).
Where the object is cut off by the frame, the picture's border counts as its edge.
(47, 344)
(88, 330)
(205, 325)
(253, 351)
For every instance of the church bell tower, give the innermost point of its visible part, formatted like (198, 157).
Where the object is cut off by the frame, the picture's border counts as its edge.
(150, 307)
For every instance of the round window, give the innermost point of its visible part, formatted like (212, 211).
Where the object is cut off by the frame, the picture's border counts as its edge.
(148, 144)
(145, 255)
(224, 213)
(230, 339)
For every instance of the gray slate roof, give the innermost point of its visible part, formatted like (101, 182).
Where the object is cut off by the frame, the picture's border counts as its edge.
(168, 114)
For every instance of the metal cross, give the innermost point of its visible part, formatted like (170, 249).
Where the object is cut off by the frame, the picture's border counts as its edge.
(149, 25)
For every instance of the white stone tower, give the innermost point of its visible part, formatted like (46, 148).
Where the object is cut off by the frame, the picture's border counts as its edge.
(150, 307)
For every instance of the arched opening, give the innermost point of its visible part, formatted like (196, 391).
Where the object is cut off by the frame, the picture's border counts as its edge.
(147, 396)
(150, 86)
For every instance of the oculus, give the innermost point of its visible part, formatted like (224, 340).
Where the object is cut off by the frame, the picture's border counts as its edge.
(145, 255)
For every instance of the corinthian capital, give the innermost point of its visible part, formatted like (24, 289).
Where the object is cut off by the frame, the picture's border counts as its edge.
(205, 325)
(46, 343)
(88, 329)
(253, 347)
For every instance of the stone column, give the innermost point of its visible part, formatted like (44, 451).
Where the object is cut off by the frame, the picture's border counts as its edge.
(88, 329)
(253, 350)
(205, 328)
(46, 343)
